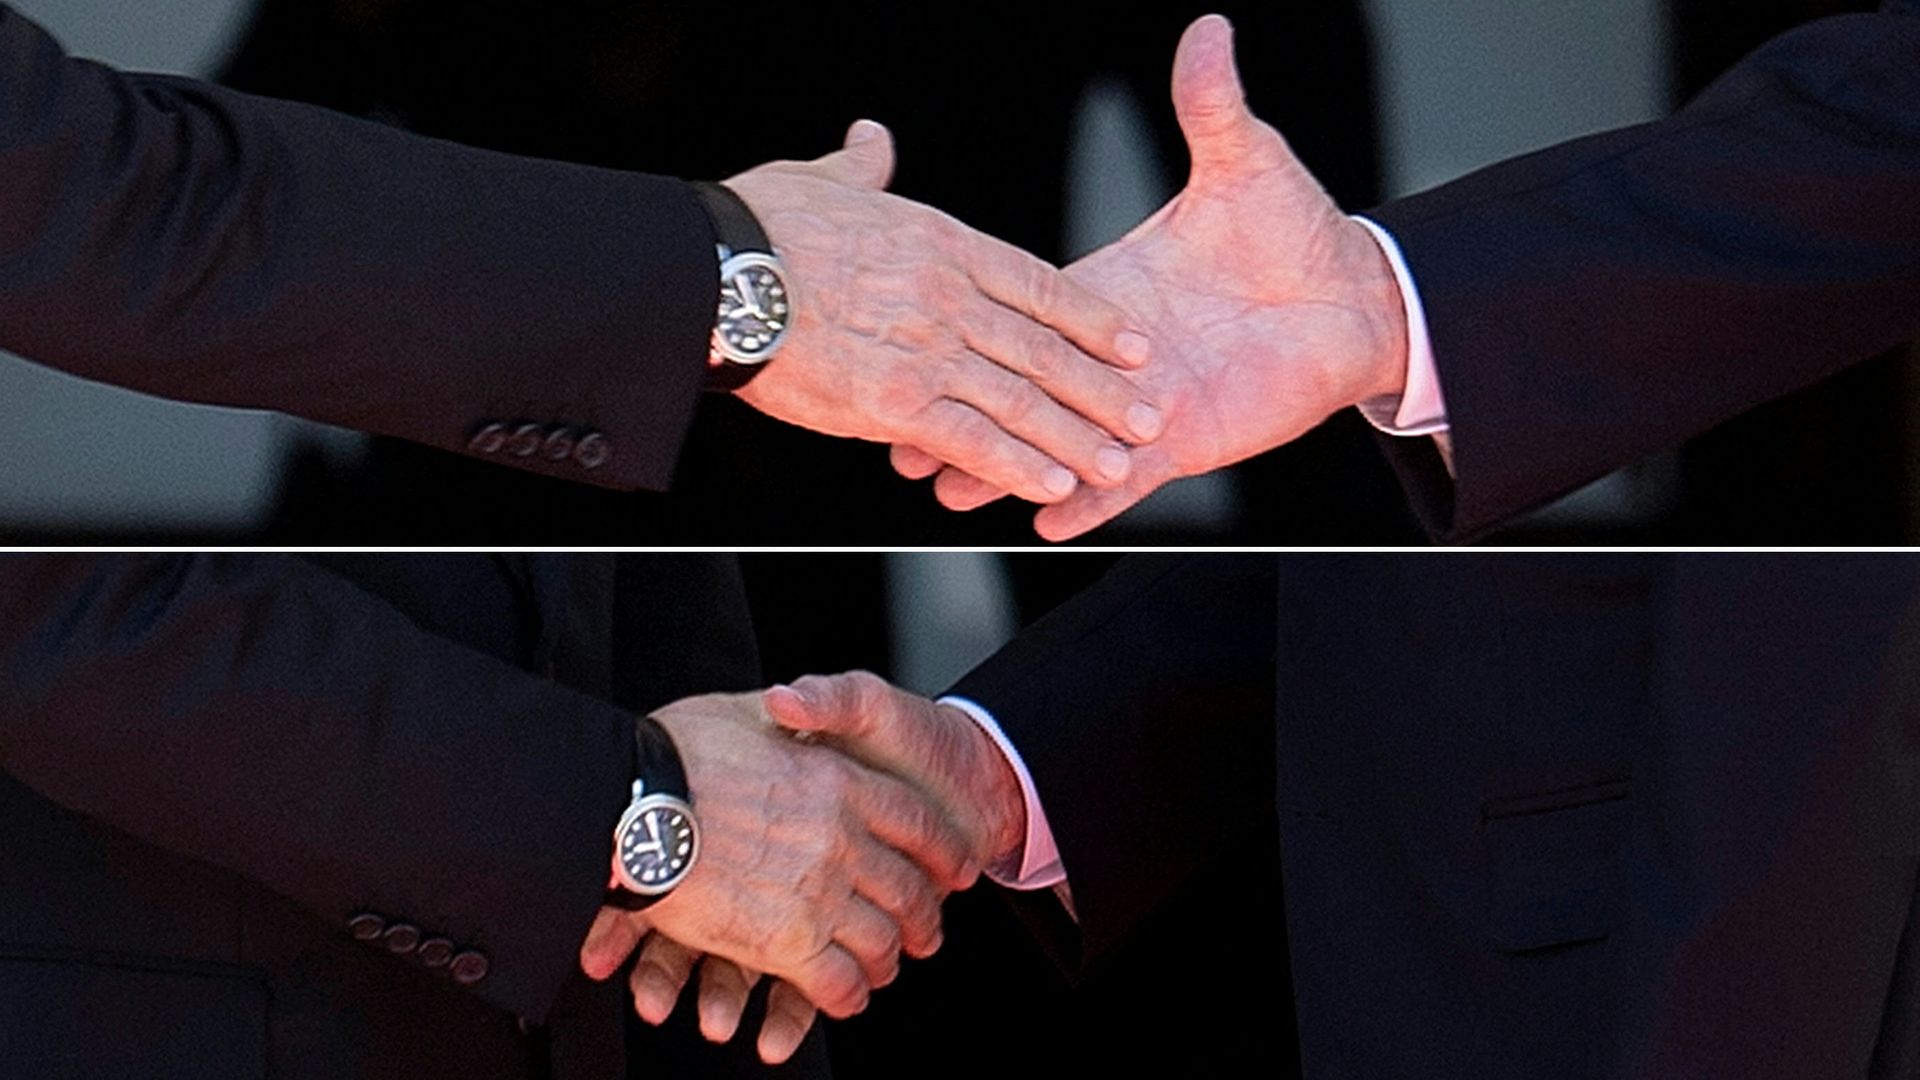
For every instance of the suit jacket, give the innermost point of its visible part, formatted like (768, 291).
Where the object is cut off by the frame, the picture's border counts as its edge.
(218, 774)
(1609, 297)
(1567, 816)
(189, 241)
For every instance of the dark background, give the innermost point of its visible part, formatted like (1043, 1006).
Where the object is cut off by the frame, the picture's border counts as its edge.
(982, 99)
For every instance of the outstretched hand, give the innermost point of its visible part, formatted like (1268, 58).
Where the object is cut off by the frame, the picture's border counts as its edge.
(910, 327)
(1270, 309)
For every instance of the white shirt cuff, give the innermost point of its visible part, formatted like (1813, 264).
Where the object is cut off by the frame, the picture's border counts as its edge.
(1037, 864)
(1420, 409)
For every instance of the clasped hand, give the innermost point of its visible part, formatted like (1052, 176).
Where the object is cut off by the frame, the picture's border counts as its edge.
(835, 816)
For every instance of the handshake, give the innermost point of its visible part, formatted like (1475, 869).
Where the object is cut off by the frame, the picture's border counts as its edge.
(835, 816)
(1242, 314)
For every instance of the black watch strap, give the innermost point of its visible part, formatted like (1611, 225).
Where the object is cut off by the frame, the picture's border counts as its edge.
(733, 224)
(657, 760)
(736, 230)
(656, 763)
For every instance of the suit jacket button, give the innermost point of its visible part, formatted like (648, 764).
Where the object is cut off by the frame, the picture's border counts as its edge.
(592, 451)
(559, 445)
(435, 952)
(366, 926)
(468, 968)
(525, 441)
(489, 439)
(401, 938)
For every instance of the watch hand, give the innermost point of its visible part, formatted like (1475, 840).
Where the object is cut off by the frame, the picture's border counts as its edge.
(745, 289)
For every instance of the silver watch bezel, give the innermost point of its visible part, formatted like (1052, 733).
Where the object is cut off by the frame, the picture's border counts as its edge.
(731, 265)
(640, 805)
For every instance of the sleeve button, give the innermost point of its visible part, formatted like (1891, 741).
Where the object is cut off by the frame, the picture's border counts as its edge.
(525, 441)
(592, 451)
(489, 439)
(468, 968)
(435, 952)
(401, 938)
(559, 445)
(366, 926)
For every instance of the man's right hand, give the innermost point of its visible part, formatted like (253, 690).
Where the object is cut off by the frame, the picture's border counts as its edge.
(1270, 309)
(911, 328)
(812, 868)
(936, 747)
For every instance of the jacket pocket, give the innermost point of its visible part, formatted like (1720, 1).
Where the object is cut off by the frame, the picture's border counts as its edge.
(1556, 865)
(65, 1018)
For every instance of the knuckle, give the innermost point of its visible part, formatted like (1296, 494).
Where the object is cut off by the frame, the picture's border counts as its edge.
(1045, 354)
(1025, 404)
(1043, 290)
(846, 989)
(794, 939)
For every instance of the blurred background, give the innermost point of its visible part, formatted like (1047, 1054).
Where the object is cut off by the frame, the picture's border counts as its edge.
(1044, 123)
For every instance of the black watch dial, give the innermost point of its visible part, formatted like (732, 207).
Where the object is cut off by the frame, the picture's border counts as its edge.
(755, 309)
(657, 843)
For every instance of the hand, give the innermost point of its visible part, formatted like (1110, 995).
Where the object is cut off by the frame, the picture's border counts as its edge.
(936, 747)
(911, 327)
(1269, 308)
(662, 971)
(812, 867)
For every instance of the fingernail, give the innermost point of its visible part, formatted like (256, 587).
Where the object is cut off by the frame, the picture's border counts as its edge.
(1144, 420)
(1059, 481)
(719, 1022)
(1133, 347)
(1112, 462)
(778, 1040)
(864, 131)
(652, 992)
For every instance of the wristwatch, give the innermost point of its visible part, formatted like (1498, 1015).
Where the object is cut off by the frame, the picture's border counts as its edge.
(657, 840)
(756, 302)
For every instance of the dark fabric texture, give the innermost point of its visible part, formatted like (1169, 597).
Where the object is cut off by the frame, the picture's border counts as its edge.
(1609, 297)
(201, 244)
(211, 764)
(1572, 816)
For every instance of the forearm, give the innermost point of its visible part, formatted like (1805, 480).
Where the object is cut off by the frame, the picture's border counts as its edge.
(1611, 297)
(201, 244)
(267, 717)
(1144, 711)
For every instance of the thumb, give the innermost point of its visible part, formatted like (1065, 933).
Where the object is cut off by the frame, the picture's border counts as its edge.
(853, 704)
(1222, 133)
(865, 161)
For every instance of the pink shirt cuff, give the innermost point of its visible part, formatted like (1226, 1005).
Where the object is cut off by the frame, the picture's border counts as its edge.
(1420, 410)
(1037, 864)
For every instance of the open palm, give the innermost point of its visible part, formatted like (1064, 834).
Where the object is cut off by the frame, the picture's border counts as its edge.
(1269, 309)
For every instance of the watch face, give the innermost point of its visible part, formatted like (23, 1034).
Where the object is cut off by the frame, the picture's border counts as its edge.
(754, 308)
(657, 844)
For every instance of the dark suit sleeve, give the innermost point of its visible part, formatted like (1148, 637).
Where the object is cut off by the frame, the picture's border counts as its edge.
(1603, 299)
(1144, 710)
(268, 717)
(193, 242)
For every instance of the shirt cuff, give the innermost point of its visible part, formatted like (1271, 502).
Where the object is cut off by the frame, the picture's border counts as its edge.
(1037, 864)
(1420, 409)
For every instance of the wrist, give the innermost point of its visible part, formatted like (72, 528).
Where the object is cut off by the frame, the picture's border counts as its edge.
(755, 310)
(656, 841)
(1000, 833)
(1382, 307)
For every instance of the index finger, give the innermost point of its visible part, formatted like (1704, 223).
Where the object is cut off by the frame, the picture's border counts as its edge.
(900, 817)
(1028, 284)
